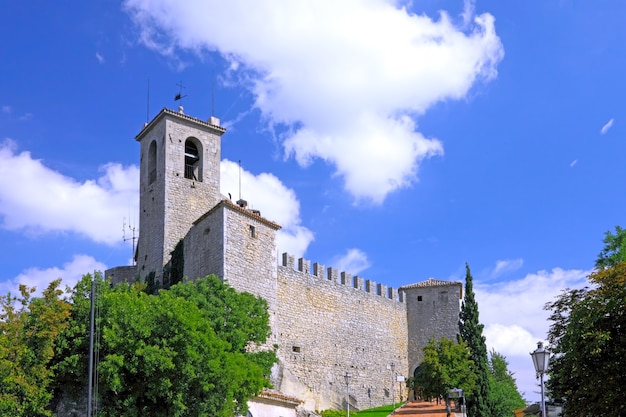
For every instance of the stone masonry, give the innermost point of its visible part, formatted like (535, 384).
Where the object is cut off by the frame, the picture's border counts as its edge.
(324, 322)
(170, 202)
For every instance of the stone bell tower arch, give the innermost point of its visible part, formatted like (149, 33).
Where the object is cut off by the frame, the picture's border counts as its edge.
(179, 182)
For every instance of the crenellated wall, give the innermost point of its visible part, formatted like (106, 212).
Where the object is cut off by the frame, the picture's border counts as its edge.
(333, 323)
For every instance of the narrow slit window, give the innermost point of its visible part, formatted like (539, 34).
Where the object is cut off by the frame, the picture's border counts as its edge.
(152, 165)
(252, 231)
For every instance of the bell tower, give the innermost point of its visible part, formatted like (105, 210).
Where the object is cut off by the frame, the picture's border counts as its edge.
(179, 182)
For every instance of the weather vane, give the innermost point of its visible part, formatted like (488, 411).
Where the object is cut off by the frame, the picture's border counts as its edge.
(179, 95)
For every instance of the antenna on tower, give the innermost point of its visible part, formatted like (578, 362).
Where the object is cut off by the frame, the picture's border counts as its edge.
(240, 179)
(132, 237)
(241, 202)
(148, 103)
(212, 91)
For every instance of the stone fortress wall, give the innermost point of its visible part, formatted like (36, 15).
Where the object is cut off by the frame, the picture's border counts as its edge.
(330, 323)
(325, 323)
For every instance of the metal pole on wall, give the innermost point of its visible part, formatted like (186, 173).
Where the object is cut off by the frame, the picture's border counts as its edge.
(347, 377)
(393, 394)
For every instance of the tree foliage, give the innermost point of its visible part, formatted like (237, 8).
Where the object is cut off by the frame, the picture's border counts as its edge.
(471, 332)
(446, 365)
(29, 328)
(505, 396)
(177, 264)
(187, 351)
(588, 339)
(71, 364)
(614, 250)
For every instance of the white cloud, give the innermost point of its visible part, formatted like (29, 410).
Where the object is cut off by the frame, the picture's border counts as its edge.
(7, 109)
(468, 11)
(505, 266)
(56, 203)
(276, 202)
(574, 162)
(96, 209)
(70, 273)
(520, 302)
(606, 127)
(514, 316)
(353, 261)
(346, 78)
(99, 57)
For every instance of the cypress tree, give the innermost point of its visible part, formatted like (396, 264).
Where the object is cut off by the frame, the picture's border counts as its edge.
(471, 332)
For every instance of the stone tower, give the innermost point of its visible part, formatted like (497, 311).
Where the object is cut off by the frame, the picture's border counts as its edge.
(179, 182)
(432, 310)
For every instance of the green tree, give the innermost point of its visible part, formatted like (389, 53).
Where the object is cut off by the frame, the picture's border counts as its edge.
(446, 365)
(184, 352)
(237, 317)
(505, 396)
(614, 249)
(588, 339)
(29, 328)
(71, 362)
(471, 332)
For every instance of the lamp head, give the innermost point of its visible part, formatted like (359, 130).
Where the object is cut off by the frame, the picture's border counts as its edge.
(347, 376)
(541, 358)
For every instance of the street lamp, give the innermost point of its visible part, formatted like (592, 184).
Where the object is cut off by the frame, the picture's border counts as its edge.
(541, 360)
(393, 377)
(459, 399)
(347, 376)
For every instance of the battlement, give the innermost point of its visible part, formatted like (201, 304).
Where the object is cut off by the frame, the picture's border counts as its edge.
(342, 278)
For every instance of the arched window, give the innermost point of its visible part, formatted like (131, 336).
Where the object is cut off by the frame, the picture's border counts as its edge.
(193, 162)
(152, 165)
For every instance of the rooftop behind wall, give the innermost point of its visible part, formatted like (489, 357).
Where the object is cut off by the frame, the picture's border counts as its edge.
(342, 278)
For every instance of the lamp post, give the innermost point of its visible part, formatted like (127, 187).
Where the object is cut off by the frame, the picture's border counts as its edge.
(459, 399)
(541, 360)
(347, 376)
(393, 377)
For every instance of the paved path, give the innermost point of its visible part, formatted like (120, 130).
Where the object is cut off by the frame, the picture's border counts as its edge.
(422, 409)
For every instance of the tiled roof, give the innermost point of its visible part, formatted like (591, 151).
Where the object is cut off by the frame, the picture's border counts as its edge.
(229, 204)
(271, 394)
(431, 282)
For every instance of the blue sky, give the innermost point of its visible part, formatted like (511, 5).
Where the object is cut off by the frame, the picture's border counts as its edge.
(393, 140)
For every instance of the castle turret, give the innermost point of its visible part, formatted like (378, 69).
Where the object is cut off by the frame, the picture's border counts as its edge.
(432, 310)
(179, 182)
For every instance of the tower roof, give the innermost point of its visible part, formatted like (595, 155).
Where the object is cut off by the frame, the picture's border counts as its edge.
(182, 117)
(250, 213)
(431, 282)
